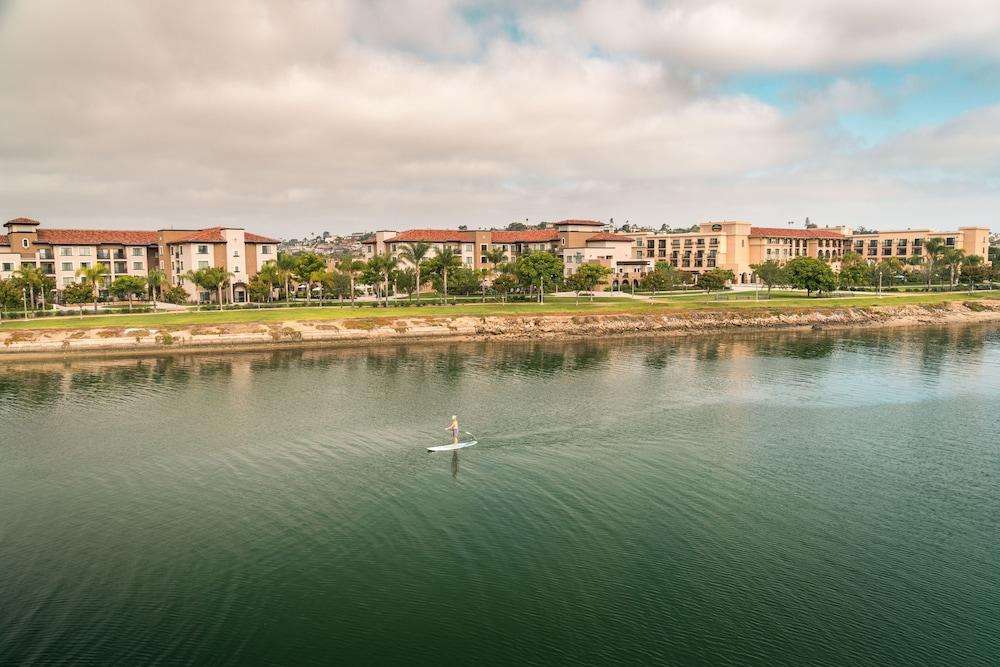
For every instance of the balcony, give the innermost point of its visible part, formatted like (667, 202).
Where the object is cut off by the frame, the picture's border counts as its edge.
(103, 254)
(119, 254)
(45, 253)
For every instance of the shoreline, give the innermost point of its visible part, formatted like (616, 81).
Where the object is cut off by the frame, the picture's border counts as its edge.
(380, 331)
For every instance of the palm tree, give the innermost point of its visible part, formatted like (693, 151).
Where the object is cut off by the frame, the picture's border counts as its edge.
(934, 247)
(384, 265)
(447, 259)
(319, 276)
(92, 275)
(350, 267)
(155, 278)
(496, 257)
(414, 253)
(209, 278)
(286, 267)
(971, 262)
(953, 258)
(270, 275)
(31, 277)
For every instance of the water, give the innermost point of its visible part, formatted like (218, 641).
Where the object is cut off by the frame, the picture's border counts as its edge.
(804, 499)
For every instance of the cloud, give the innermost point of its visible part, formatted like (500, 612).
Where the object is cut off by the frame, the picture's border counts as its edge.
(776, 35)
(349, 115)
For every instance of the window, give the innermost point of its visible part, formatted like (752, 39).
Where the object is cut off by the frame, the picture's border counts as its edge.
(65, 252)
(25, 243)
(137, 266)
(950, 241)
(482, 247)
(203, 250)
(121, 267)
(67, 281)
(202, 264)
(482, 260)
(84, 265)
(7, 266)
(67, 266)
(236, 253)
(468, 260)
(137, 252)
(236, 269)
(265, 250)
(84, 252)
(468, 247)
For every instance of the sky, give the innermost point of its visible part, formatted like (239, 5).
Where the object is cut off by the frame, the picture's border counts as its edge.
(294, 117)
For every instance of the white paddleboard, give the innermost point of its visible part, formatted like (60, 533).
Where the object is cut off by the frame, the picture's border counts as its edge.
(448, 448)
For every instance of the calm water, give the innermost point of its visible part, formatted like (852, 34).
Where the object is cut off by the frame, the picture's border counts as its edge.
(807, 499)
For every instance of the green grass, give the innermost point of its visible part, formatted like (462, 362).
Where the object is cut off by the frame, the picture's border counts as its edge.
(553, 305)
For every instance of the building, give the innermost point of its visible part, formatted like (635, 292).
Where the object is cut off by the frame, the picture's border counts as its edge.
(59, 253)
(738, 245)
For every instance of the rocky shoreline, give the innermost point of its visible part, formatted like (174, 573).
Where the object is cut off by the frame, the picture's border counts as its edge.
(48, 343)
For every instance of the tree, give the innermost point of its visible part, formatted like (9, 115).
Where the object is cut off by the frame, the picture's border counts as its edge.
(445, 261)
(258, 288)
(496, 257)
(539, 268)
(715, 279)
(93, 275)
(32, 279)
(933, 249)
(77, 293)
(576, 283)
(662, 278)
(516, 227)
(810, 274)
(952, 257)
(286, 267)
(405, 280)
(415, 253)
(861, 229)
(771, 273)
(973, 269)
(810, 225)
(321, 277)
(350, 267)
(210, 278)
(269, 275)
(175, 295)
(306, 265)
(854, 270)
(885, 272)
(155, 280)
(590, 276)
(382, 266)
(127, 287)
(504, 284)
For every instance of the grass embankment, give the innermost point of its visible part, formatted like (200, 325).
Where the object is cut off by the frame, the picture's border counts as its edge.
(553, 306)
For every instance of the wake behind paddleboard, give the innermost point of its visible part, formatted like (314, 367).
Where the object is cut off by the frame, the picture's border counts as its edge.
(448, 448)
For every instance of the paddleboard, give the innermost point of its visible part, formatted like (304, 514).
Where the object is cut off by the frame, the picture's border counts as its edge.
(448, 448)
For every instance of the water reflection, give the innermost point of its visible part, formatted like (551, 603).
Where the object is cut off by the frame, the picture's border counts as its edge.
(931, 350)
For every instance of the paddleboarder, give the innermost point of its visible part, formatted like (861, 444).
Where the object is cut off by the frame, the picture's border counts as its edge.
(453, 427)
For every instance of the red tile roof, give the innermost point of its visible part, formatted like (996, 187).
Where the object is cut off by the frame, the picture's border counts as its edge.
(604, 236)
(95, 236)
(432, 236)
(214, 235)
(592, 223)
(525, 236)
(368, 240)
(787, 233)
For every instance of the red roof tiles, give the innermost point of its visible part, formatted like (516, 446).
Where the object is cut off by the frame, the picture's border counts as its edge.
(95, 237)
(756, 232)
(604, 236)
(22, 221)
(214, 235)
(592, 223)
(432, 236)
(525, 236)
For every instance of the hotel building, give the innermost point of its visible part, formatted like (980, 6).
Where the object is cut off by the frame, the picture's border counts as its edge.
(59, 253)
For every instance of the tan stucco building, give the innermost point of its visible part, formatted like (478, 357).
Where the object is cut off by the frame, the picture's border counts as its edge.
(61, 252)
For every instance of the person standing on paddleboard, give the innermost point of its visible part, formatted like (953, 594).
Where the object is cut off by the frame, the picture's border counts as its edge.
(453, 427)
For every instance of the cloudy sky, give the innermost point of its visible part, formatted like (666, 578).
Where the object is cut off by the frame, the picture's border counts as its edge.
(296, 116)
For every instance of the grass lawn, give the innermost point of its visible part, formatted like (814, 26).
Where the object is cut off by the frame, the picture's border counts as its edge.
(553, 305)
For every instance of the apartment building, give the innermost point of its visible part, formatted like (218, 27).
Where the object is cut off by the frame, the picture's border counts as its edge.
(238, 251)
(61, 252)
(737, 245)
(576, 241)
